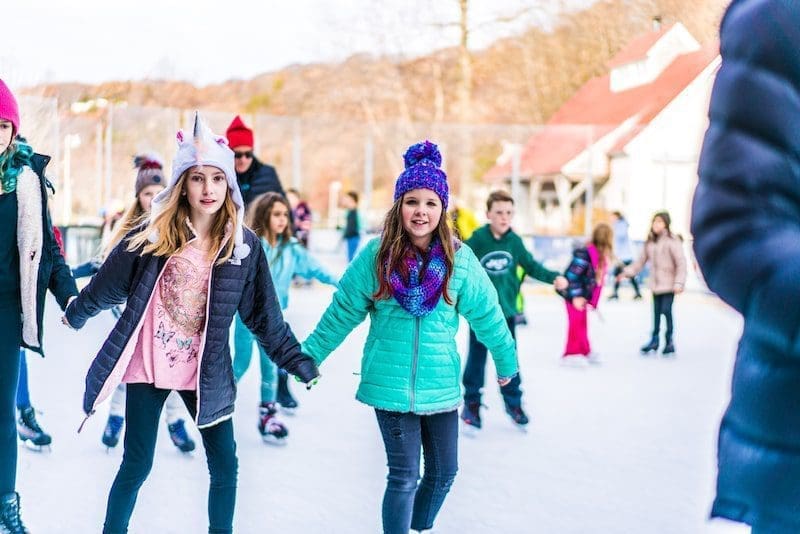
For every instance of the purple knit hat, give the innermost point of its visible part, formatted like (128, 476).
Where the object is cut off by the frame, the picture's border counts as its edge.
(8, 107)
(423, 171)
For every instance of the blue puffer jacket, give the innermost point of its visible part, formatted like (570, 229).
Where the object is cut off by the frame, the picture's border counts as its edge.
(746, 224)
(246, 287)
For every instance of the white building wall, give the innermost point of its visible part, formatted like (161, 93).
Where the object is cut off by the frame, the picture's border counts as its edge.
(660, 170)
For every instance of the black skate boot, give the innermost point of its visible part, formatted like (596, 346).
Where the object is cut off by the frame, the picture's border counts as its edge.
(113, 429)
(652, 346)
(517, 415)
(180, 438)
(471, 415)
(29, 429)
(669, 349)
(284, 396)
(10, 521)
(272, 431)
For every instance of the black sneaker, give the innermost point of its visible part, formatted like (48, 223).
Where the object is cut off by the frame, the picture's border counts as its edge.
(518, 415)
(29, 429)
(471, 414)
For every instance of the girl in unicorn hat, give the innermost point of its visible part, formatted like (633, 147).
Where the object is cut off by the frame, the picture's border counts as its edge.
(184, 274)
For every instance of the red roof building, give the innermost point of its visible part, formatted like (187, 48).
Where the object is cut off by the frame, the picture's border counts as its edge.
(603, 118)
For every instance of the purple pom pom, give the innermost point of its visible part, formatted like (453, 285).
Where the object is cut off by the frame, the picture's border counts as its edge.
(422, 151)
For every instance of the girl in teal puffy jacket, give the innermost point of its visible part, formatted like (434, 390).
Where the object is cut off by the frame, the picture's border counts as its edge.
(268, 217)
(414, 282)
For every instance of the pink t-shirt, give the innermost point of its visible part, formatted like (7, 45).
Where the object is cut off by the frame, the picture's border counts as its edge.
(169, 341)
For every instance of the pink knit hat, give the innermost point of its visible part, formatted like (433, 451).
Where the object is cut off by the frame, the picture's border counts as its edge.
(8, 107)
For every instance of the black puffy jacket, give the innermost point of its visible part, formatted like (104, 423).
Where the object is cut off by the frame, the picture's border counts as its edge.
(237, 285)
(746, 225)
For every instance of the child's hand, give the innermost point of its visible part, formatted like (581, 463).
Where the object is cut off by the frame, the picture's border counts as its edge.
(503, 380)
(678, 289)
(560, 283)
(579, 303)
(309, 384)
(66, 322)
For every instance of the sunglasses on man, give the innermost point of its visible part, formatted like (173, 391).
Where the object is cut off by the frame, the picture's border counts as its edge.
(246, 154)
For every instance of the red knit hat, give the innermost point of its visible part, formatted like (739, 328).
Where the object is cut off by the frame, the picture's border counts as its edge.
(238, 134)
(8, 106)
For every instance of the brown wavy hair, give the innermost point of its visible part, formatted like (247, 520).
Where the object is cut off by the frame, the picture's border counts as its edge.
(603, 240)
(174, 233)
(259, 213)
(395, 245)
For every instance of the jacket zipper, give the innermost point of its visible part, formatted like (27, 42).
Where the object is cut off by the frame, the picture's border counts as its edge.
(414, 360)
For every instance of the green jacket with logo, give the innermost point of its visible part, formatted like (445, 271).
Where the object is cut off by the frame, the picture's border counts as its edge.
(500, 258)
(412, 364)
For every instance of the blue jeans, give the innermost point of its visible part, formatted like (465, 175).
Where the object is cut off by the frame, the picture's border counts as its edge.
(352, 246)
(405, 503)
(475, 372)
(23, 394)
(142, 411)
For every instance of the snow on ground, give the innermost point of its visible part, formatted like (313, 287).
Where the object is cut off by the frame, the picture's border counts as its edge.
(625, 447)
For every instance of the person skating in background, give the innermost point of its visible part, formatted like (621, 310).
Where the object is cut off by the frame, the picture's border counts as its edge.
(623, 250)
(663, 250)
(254, 177)
(586, 275)
(149, 182)
(463, 219)
(352, 227)
(30, 264)
(268, 217)
(184, 275)
(501, 252)
(300, 216)
(414, 281)
(746, 228)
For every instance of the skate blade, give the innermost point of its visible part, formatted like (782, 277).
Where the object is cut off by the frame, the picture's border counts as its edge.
(576, 362)
(469, 431)
(36, 448)
(275, 442)
(522, 428)
(288, 411)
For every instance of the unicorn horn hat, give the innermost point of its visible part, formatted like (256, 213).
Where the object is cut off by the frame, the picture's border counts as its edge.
(205, 148)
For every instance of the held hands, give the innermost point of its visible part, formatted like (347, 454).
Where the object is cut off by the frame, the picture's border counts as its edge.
(678, 289)
(64, 317)
(560, 283)
(579, 303)
(310, 383)
(503, 380)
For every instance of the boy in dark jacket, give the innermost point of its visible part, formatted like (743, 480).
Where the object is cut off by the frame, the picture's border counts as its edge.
(500, 251)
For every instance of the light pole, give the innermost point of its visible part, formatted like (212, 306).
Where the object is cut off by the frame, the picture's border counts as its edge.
(70, 141)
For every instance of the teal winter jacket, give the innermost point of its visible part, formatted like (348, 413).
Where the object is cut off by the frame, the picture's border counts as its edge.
(290, 259)
(411, 364)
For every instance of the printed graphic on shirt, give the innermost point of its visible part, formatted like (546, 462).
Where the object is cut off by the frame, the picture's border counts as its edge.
(183, 296)
(183, 291)
(497, 262)
(163, 335)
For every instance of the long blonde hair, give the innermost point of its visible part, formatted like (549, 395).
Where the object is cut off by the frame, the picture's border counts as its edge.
(133, 216)
(174, 233)
(395, 244)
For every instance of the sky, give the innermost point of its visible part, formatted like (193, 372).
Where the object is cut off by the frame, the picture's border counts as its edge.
(201, 42)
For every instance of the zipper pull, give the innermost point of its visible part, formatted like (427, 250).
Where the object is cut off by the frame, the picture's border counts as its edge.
(88, 415)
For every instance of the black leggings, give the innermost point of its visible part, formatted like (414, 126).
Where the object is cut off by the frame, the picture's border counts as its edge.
(142, 411)
(9, 372)
(662, 305)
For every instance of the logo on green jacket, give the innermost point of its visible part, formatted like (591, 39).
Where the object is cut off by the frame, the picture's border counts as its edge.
(497, 262)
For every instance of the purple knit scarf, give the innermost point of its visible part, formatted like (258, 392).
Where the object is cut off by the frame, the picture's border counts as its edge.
(420, 297)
